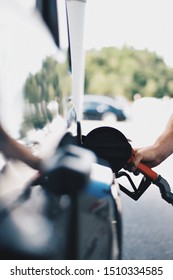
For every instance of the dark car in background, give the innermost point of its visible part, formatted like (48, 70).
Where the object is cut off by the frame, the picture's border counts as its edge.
(97, 107)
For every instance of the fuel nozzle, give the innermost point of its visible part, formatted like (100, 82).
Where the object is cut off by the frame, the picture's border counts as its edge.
(165, 189)
(156, 179)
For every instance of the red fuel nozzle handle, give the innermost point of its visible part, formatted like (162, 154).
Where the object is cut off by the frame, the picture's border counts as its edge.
(144, 169)
(156, 179)
(147, 171)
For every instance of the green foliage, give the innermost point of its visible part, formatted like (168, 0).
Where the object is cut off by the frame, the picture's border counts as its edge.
(112, 71)
(51, 83)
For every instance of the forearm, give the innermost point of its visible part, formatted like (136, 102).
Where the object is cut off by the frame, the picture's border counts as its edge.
(22, 153)
(159, 151)
(12, 149)
(164, 143)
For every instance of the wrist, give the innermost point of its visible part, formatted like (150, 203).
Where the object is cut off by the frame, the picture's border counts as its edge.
(163, 148)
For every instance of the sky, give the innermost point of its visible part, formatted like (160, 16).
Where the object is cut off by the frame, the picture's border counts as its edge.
(142, 24)
(138, 23)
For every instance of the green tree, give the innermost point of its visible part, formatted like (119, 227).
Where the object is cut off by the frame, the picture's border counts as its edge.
(52, 82)
(126, 71)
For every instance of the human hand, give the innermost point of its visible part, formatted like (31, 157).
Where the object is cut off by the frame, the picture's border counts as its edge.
(148, 156)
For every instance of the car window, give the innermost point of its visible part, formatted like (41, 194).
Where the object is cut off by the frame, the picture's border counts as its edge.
(93, 105)
(102, 107)
(90, 105)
